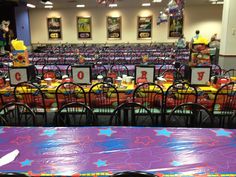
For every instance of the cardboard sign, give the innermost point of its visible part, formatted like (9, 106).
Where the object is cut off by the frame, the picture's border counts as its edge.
(200, 75)
(81, 74)
(144, 74)
(18, 75)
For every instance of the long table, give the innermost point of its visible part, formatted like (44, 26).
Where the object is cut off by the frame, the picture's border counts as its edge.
(102, 151)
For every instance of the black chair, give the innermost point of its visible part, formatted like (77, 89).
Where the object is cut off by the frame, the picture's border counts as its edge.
(17, 114)
(151, 96)
(99, 69)
(179, 93)
(74, 114)
(103, 98)
(131, 114)
(119, 70)
(165, 67)
(230, 73)
(174, 75)
(216, 70)
(70, 92)
(225, 103)
(133, 174)
(68, 71)
(190, 115)
(30, 94)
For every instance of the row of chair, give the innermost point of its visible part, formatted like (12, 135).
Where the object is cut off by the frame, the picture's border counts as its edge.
(104, 98)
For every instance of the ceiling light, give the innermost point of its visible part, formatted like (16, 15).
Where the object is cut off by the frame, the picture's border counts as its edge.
(146, 4)
(30, 5)
(48, 3)
(220, 2)
(80, 5)
(112, 5)
(156, 0)
(48, 7)
(212, 0)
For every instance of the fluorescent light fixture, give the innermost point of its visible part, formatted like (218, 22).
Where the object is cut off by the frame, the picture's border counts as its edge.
(30, 5)
(146, 4)
(156, 0)
(112, 5)
(48, 3)
(220, 2)
(80, 5)
(48, 7)
(212, 0)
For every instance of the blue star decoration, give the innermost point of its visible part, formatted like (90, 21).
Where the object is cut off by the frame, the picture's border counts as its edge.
(1, 131)
(112, 144)
(27, 162)
(49, 133)
(222, 132)
(101, 163)
(163, 132)
(106, 132)
(176, 163)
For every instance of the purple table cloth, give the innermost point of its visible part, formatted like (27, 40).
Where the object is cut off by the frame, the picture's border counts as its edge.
(83, 150)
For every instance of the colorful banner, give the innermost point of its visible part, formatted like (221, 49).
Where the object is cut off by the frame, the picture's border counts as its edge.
(176, 26)
(114, 27)
(145, 27)
(84, 27)
(54, 28)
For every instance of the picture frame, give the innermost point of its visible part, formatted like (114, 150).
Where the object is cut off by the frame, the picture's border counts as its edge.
(144, 27)
(176, 25)
(54, 28)
(82, 74)
(200, 75)
(84, 27)
(144, 72)
(113, 27)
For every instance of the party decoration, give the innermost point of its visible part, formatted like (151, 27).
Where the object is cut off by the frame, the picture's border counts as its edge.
(20, 54)
(4, 28)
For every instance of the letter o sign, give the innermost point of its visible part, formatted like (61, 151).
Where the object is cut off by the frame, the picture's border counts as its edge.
(80, 75)
(18, 76)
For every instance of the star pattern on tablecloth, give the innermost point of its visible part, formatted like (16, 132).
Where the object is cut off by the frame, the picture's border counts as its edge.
(145, 140)
(222, 132)
(176, 163)
(2, 131)
(113, 144)
(106, 132)
(49, 132)
(101, 163)
(22, 140)
(26, 162)
(163, 132)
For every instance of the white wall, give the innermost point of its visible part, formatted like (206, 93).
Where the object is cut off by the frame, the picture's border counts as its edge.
(205, 18)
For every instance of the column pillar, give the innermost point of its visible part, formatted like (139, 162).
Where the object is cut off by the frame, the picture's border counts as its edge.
(227, 58)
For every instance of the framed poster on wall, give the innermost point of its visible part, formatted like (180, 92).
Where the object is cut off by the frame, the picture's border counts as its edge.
(54, 28)
(176, 26)
(113, 27)
(145, 27)
(84, 27)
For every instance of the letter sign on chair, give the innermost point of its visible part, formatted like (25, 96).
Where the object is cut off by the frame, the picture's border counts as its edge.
(21, 74)
(200, 75)
(82, 74)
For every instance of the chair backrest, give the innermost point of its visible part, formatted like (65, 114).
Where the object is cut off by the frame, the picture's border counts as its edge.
(30, 94)
(178, 93)
(103, 96)
(70, 92)
(131, 114)
(225, 99)
(74, 114)
(119, 69)
(133, 174)
(230, 73)
(172, 75)
(18, 114)
(52, 71)
(150, 95)
(164, 67)
(99, 69)
(190, 115)
(13, 175)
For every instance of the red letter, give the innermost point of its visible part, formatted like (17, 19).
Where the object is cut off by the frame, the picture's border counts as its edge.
(80, 75)
(200, 75)
(18, 76)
